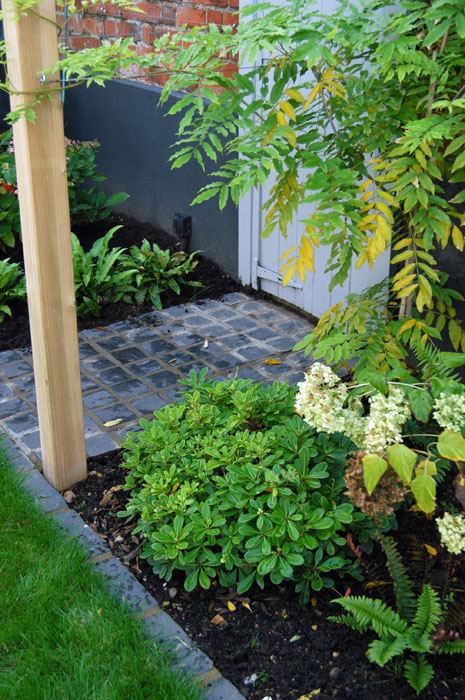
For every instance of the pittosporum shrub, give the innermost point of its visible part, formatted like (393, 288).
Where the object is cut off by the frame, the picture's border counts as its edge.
(230, 484)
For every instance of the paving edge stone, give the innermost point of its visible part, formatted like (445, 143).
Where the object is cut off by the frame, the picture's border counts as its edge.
(158, 624)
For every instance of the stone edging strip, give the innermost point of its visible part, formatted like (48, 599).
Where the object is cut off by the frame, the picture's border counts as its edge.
(158, 624)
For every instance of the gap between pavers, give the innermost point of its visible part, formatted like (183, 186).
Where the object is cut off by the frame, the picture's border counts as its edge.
(159, 626)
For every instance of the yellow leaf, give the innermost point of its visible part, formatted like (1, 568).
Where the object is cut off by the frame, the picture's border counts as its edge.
(336, 92)
(284, 267)
(231, 606)
(272, 362)
(301, 269)
(431, 550)
(408, 324)
(289, 274)
(457, 237)
(366, 196)
(246, 605)
(269, 65)
(328, 72)
(288, 109)
(286, 253)
(306, 252)
(405, 255)
(384, 227)
(310, 694)
(365, 184)
(404, 271)
(403, 282)
(420, 300)
(295, 95)
(380, 206)
(403, 243)
(361, 260)
(111, 423)
(407, 291)
(281, 119)
(175, 487)
(312, 96)
(291, 138)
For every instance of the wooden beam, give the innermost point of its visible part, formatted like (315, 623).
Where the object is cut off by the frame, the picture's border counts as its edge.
(32, 47)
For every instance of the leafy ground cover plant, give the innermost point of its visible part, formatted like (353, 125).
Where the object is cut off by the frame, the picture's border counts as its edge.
(156, 270)
(12, 286)
(406, 635)
(62, 634)
(84, 203)
(230, 484)
(97, 278)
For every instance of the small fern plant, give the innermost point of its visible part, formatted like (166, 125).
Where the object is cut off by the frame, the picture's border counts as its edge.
(406, 633)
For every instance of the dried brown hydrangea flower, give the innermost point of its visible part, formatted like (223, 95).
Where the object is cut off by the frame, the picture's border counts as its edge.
(390, 489)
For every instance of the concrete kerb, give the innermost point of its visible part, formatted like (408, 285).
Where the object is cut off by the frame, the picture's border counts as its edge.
(158, 624)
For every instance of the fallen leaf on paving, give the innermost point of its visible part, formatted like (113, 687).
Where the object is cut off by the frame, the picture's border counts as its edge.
(246, 605)
(171, 362)
(231, 606)
(111, 423)
(272, 362)
(295, 638)
(217, 620)
(314, 627)
(310, 694)
(314, 602)
(205, 345)
(69, 496)
(284, 613)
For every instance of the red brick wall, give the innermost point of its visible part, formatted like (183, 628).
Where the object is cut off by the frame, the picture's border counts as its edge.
(99, 22)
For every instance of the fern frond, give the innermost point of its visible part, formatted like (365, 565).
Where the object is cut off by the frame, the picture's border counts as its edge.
(374, 614)
(430, 363)
(348, 621)
(418, 673)
(455, 647)
(428, 612)
(405, 598)
(381, 651)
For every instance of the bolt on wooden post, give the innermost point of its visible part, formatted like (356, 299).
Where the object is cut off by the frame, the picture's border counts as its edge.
(32, 47)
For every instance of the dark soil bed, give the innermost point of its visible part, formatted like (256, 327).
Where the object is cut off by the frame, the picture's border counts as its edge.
(14, 332)
(292, 650)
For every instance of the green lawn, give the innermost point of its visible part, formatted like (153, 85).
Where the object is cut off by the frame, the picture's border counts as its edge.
(61, 634)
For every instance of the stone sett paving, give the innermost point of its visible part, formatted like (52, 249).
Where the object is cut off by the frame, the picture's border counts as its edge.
(132, 368)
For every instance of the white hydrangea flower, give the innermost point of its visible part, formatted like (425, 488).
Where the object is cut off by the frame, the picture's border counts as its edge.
(452, 531)
(449, 411)
(320, 402)
(324, 402)
(385, 420)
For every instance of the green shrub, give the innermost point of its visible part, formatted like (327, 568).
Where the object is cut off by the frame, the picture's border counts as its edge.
(85, 204)
(97, 278)
(156, 271)
(229, 483)
(12, 286)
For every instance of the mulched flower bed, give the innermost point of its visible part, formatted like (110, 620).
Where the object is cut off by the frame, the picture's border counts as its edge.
(268, 645)
(289, 650)
(15, 331)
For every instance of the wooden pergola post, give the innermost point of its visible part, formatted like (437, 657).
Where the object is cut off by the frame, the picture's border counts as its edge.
(32, 47)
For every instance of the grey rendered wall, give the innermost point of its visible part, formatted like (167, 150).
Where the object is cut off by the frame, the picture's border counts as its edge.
(135, 138)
